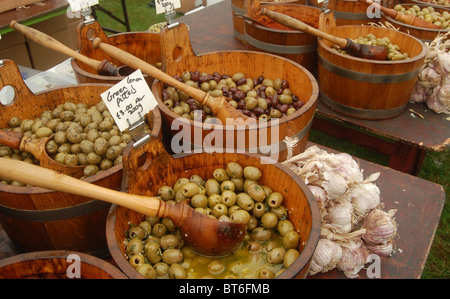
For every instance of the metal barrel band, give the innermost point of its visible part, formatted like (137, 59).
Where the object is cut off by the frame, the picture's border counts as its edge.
(358, 112)
(264, 150)
(55, 214)
(239, 35)
(280, 49)
(365, 77)
(350, 15)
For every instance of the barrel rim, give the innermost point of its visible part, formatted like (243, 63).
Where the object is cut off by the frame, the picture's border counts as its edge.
(281, 30)
(309, 104)
(416, 58)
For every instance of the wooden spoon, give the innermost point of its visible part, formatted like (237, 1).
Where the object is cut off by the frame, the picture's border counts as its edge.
(36, 147)
(354, 49)
(219, 106)
(206, 235)
(104, 67)
(401, 17)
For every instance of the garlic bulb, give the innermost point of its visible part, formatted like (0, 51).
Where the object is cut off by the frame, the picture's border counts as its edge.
(442, 63)
(326, 256)
(364, 197)
(353, 259)
(430, 77)
(420, 93)
(319, 194)
(339, 218)
(380, 227)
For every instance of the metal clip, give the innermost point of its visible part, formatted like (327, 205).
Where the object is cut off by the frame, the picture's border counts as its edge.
(86, 13)
(325, 8)
(137, 132)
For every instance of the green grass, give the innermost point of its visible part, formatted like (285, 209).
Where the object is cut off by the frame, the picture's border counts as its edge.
(436, 166)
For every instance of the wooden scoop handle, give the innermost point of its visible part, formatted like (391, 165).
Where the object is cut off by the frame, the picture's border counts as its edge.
(51, 43)
(299, 25)
(401, 17)
(148, 69)
(45, 178)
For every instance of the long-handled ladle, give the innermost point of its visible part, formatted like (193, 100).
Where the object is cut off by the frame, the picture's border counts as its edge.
(104, 67)
(354, 49)
(219, 106)
(204, 234)
(37, 147)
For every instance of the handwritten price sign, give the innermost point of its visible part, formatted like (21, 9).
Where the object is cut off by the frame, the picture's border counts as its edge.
(129, 100)
(163, 6)
(77, 5)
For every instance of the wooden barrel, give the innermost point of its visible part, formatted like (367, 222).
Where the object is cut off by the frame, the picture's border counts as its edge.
(239, 7)
(277, 39)
(54, 264)
(268, 137)
(424, 34)
(144, 45)
(151, 167)
(38, 219)
(348, 12)
(369, 89)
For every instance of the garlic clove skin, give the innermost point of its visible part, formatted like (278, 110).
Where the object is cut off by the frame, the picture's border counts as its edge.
(380, 227)
(381, 249)
(326, 257)
(339, 218)
(353, 260)
(364, 197)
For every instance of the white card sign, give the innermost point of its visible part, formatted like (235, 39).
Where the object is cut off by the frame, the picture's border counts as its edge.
(163, 6)
(129, 100)
(77, 5)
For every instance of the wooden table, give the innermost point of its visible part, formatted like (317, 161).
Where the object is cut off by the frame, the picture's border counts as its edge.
(419, 204)
(405, 138)
(33, 14)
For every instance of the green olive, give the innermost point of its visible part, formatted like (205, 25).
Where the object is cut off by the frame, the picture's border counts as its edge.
(137, 231)
(291, 240)
(290, 256)
(159, 230)
(261, 234)
(161, 269)
(136, 260)
(227, 186)
(256, 192)
(259, 209)
(269, 220)
(176, 271)
(228, 198)
(190, 189)
(216, 267)
(219, 210)
(284, 226)
(240, 216)
(152, 252)
(168, 241)
(166, 193)
(275, 199)
(220, 175)
(199, 201)
(252, 173)
(276, 255)
(245, 201)
(265, 274)
(197, 179)
(172, 255)
(147, 271)
(134, 246)
(182, 181)
(212, 187)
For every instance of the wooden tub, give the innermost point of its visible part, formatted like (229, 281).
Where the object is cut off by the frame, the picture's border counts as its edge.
(150, 167)
(57, 264)
(283, 41)
(182, 134)
(144, 45)
(38, 219)
(368, 89)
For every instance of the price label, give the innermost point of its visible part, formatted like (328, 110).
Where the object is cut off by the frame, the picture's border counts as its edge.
(163, 6)
(129, 100)
(77, 5)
